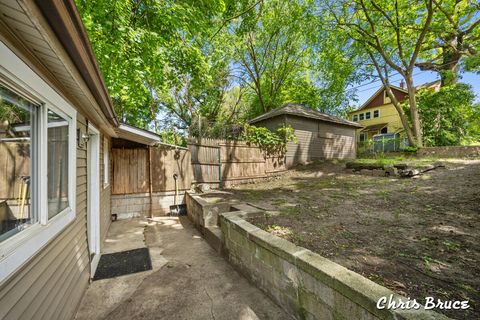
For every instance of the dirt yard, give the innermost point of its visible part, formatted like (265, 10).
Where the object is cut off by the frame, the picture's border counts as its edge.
(417, 236)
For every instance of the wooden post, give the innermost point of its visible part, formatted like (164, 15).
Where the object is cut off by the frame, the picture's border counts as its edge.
(219, 166)
(150, 188)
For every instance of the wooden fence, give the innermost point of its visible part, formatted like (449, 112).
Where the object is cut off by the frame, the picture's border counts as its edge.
(224, 162)
(132, 169)
(216, 162)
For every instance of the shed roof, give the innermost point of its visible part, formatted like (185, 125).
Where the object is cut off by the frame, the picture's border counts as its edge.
(300, 110)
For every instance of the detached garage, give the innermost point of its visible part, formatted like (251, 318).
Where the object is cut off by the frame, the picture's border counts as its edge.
(320, 136)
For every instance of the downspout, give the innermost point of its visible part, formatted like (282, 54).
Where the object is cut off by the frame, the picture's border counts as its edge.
(150, 188)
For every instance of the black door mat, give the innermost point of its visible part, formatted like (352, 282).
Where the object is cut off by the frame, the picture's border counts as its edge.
(121, 263)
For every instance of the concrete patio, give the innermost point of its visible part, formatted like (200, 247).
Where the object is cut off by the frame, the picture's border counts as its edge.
(189, 280)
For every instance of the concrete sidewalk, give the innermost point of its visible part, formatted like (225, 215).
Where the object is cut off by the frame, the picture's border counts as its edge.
(189, 279)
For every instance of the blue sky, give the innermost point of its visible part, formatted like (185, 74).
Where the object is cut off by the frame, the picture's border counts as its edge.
(366, 89)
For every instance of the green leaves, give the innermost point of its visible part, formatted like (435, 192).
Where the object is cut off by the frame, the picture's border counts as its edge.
(272, 142)
(449, 116)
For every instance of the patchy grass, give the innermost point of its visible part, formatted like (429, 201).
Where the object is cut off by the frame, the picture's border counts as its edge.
(419, 237)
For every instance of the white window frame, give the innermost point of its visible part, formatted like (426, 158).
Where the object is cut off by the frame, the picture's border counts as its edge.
(360, 116)
(19, 248)
(369, 115)
(106, 162)
(355, 117)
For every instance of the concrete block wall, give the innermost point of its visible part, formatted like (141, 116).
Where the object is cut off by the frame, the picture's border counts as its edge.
(305, 284)
(450, 152)
(203, 213)
(138, 205)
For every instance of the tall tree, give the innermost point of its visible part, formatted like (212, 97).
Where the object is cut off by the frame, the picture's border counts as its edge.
(454, 34)
(391, 35)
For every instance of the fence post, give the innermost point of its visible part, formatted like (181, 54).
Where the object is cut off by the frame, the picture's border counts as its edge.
(220, 184)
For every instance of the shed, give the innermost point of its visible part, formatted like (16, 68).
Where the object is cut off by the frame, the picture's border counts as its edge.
(320, 136)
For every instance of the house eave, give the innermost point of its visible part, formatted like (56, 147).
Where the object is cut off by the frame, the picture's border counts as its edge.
(138, 135)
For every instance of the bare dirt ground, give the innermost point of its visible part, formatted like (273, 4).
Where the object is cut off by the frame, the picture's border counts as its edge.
(417, 236)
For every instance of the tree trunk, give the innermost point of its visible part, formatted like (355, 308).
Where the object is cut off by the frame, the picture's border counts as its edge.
(416, 126)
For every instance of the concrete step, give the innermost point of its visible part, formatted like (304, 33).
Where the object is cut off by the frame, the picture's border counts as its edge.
(213, 236)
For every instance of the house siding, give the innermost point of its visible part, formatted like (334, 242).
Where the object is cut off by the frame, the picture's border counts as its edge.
(51, 284)
(105, 192)
(319, 140)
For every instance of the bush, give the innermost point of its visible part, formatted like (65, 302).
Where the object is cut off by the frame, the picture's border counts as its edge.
(270, 141)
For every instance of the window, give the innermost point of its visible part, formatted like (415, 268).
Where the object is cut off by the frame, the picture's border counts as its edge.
(361, 116)
(16, 136)
(106, 161)
(376, 113)
(367, 115)
(384, 130)
(355, 117)
(37, 163)
(363, 137)
(57, 174)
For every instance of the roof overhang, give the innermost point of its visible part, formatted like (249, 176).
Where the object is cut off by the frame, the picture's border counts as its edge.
(65, 21)
(127, 132)
(374, 127)
(376, 94)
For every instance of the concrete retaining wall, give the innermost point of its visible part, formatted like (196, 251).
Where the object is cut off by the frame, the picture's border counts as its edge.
(450, 152)
(305, 284)
(203, 213)
(138, 205)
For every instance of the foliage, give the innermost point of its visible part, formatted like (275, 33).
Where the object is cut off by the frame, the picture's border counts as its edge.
(172, 137)
(449, 116)
(167, 63)
(454, 36)
(270, 141)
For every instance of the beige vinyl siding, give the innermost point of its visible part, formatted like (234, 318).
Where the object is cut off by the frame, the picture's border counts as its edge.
(105, 193)
(319, 140)
(271, 123)
(51, 284)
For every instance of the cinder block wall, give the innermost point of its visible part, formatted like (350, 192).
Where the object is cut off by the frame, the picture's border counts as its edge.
(305, 284)
(138, 205)
(450, 152)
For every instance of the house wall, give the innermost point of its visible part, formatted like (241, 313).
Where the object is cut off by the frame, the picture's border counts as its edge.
(52, 283)
(105, 191)
(319, 140)
(388, 114)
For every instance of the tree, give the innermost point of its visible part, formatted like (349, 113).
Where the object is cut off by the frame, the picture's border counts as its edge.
(454, 34)
(390, 34)
(449, 116)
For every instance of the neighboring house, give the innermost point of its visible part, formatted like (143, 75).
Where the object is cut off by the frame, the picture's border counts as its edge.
(378, 115)
(320, 136)
(56, 129)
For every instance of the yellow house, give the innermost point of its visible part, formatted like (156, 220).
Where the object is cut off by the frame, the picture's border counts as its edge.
(378, 115)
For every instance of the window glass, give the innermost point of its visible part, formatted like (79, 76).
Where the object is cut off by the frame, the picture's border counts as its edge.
(57, 164)
(355, 118)
(376, 113)
(362, 137)
(16, 118)
(367, 115)
(362, 116)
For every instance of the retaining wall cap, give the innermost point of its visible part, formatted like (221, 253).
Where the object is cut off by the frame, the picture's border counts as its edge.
(350, 284)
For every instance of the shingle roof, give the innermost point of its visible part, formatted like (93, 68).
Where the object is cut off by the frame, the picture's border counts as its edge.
(299, 110)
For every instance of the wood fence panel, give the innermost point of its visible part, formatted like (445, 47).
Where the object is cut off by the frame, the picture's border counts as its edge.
(130, 171)
(14, 163)
(165, 163)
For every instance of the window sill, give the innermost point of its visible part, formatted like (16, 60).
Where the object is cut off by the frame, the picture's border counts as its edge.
(17, 250)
